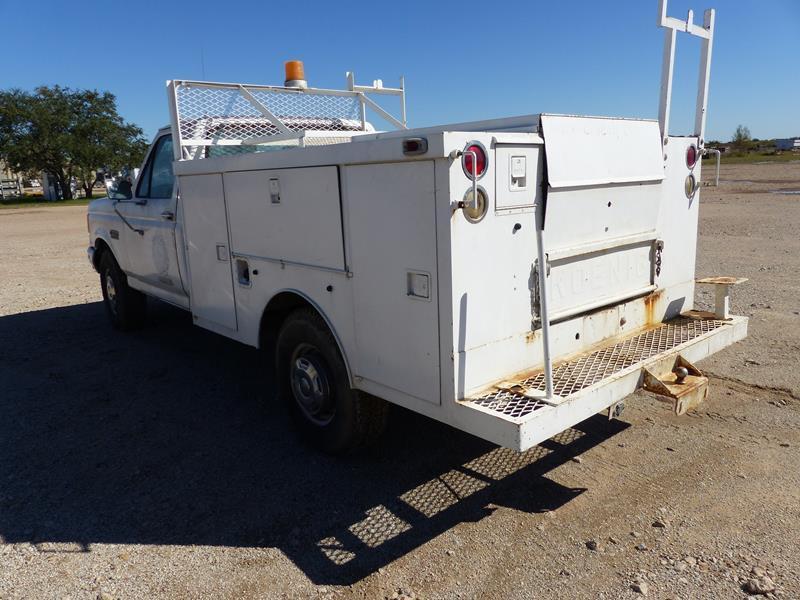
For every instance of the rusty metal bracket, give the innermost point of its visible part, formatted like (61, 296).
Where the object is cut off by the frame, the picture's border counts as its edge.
(722, 293)
(685, 385)
(533, 393)
(615, 410)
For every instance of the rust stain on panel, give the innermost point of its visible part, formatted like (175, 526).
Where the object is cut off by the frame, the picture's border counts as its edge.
(650, 306)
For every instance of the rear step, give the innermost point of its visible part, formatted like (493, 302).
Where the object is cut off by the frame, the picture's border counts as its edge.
(592, 382)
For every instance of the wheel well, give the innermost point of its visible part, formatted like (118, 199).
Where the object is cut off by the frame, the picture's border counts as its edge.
(100, 248)
(279, 307)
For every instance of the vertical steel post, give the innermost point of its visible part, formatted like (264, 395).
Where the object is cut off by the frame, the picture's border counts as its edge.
(667, 66)
(706, 45)
(351, 86)
(718, 155)
(361, 97)
(706, 34)
(544, 315)
(403, 100)
(174, 118)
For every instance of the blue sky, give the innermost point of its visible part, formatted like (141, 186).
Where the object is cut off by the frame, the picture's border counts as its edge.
(502, 59)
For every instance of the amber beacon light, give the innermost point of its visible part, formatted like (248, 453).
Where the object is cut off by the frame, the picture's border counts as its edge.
(295, 74)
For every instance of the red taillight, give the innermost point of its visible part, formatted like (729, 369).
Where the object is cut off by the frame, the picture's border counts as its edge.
(474, 164)
(691, 156)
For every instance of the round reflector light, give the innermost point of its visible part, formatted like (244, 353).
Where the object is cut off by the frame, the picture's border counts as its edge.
(691, 156)
(690, 186)
(474, 160)
(475, 214)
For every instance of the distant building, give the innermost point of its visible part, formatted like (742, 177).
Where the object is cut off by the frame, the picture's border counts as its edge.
(788, 144)
(5, 173)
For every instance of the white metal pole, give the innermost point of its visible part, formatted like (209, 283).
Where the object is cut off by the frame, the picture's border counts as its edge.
(363, 106)
(544, 315)
(403, 100)
(667, 66)
(718, 155)
(174, 117)
(703, 77)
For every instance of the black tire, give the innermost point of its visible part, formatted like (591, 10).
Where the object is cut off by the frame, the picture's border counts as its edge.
(312, 380)
(126, 307)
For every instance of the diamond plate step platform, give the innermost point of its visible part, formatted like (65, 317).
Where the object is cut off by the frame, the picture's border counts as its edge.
(592, 382)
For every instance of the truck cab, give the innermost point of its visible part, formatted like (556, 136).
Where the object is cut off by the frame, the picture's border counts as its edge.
(138, 226)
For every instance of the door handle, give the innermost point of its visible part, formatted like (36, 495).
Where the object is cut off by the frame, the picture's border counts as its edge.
(168, 215)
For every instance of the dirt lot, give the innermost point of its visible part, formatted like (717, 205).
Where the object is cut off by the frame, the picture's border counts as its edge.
(155, 465)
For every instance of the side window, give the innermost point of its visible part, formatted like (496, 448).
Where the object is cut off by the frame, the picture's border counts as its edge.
(157, 178)
(143, 189)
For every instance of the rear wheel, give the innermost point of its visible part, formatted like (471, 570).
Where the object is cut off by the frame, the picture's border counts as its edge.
(313, 382)
(125, 306)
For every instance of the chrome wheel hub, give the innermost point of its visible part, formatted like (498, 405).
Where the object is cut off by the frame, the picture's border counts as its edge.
(311, 386)
(111, 293)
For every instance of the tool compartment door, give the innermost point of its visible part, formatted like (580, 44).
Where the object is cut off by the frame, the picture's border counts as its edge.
(391, 218)
(586, 151)
(208, 250)
(292, 215)
(604, 195)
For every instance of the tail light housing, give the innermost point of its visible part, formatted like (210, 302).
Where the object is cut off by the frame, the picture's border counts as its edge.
(691, 156)
(690, 186)
(474, 160)
(475, 211)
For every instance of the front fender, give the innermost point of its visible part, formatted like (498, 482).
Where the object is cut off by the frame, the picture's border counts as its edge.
(102, 235)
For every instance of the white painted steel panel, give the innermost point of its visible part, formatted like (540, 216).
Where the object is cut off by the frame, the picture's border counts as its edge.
(392, 236)
(595, 279)
(583, 151)
(211, 296)
(492, 265)
(492, 271)
(677, 219)
(288, 214)
(580, 216)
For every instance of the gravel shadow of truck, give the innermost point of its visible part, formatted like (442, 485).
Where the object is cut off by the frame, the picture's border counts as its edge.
(169, 436)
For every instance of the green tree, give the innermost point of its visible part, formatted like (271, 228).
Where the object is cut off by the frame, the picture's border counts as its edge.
(66, 133)
(741, 138)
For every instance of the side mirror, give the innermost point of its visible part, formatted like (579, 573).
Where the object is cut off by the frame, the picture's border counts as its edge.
(120, 190)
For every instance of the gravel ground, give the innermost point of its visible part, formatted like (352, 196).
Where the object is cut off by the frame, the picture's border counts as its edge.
(154, 465)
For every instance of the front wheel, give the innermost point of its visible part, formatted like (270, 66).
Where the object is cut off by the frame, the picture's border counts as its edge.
(313, 382)
(125, 306)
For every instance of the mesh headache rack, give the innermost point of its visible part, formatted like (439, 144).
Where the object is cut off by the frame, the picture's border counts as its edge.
(212, 119)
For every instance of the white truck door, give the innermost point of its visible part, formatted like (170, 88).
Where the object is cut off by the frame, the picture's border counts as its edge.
(152, 254)
(208, 251)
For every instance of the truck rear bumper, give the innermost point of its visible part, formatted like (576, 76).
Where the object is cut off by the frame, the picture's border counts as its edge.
(589, 383)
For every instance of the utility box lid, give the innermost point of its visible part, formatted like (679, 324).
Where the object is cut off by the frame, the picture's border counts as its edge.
(591, 151)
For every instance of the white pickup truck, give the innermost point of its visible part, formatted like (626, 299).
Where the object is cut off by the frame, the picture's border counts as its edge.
(509, 277)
